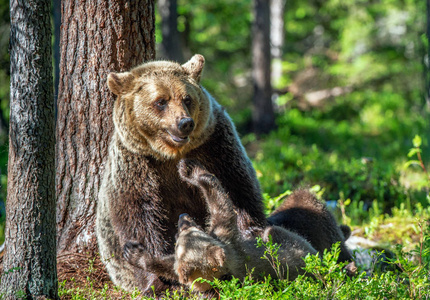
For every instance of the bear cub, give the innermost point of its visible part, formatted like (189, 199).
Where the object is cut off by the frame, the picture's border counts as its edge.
(304, 214)
(220, 251)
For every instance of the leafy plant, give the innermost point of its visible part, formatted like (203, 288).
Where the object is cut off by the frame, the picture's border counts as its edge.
(271, 255)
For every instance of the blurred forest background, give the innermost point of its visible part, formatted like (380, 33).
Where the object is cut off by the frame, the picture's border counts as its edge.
(349, 87)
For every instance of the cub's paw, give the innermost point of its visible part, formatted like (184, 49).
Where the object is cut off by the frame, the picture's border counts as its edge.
(135, 254)
(192, 171)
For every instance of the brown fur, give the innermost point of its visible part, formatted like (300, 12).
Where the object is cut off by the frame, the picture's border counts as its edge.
(304, 214)
(220, 252)
(142, 196)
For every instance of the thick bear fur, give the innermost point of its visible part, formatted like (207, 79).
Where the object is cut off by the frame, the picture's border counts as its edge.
(141, 195)
(220, 251)
(304, 214)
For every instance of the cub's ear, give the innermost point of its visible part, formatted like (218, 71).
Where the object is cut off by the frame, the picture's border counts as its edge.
(120, 83)
(216, 256)
(346, 230)
(194, 66)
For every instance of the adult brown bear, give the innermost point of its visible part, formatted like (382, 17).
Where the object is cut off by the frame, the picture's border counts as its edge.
(162, 115)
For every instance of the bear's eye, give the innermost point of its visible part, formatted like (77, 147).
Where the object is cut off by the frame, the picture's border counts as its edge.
(187, 101)
(161, 103)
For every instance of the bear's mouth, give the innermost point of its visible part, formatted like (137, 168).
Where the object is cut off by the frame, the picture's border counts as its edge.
(179, 139)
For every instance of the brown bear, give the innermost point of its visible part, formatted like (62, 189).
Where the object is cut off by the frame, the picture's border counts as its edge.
(304, 214)
(220, 252)
(161, 115)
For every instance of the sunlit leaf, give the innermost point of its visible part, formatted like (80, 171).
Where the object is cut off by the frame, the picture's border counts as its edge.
(414, 151)
(417, 141)
(412, 162)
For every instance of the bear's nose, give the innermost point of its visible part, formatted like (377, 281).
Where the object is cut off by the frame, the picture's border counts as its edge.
(186, 125)
(185, 222)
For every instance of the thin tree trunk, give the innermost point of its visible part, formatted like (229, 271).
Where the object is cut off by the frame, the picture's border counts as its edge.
(263, 114)
(277, 10)
(97, 37)
(428, 57)
(29, 261)
(171, 43)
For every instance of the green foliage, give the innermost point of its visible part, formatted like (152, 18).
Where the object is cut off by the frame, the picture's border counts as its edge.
(327, 279)
(417, 151)
(271, 255)
(415, 276)
(220, 30)
(342, 152)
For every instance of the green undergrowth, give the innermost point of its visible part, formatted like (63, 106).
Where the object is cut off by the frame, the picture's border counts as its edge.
(406, 277)
(349, 154)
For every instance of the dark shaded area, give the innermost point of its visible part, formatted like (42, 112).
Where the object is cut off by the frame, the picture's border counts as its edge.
(170, 47)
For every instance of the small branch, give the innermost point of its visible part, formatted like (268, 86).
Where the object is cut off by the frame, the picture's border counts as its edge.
(423, 166)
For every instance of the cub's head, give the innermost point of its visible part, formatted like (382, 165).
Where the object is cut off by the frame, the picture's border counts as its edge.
(198, 255)
(161, 109)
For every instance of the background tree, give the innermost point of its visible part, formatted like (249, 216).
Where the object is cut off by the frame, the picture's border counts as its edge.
(263, 116)
(170, 46)
(4, 80)
(428, 56)
(30, 224)
(97, 37)
(277, 37)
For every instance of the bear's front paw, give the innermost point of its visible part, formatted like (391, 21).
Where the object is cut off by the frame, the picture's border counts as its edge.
(134, 254)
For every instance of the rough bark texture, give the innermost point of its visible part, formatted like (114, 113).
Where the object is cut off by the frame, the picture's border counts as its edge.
(97, 37)
(277, 32)
(171, 45)
(29, 261)
(56, 12)
(263, 115)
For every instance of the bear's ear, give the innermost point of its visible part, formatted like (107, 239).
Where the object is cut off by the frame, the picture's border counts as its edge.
(194, 66)
(216, 256)
(346, 230)
(120, 83)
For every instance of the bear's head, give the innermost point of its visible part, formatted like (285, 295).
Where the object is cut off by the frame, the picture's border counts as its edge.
(161, 110)
(198, 255)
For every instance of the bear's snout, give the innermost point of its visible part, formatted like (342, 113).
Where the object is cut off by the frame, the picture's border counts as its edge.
(185, 222)
(186, 126)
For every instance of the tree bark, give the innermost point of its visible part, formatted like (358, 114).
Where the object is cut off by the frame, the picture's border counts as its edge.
(263, 114)
(277, 10)
(171, 44)
(97, 37)
(56, 12)
(29, 260)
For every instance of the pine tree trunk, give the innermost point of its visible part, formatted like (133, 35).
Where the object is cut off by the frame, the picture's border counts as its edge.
(171, 44)
(263, 115)
(97, 37)
(30, 253)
